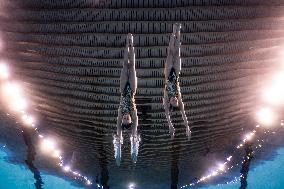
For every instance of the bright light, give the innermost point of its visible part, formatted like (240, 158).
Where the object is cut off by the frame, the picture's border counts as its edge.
(28, 120)
(19, 104)
(66, 168)
(13, 96)
(214, 173)
(131, 186)
(56, 154)
(265, 116)
(274, 94)
(229, 158)
(221, 167)
(47, 145)
(4, 71)
(279, 78)
(75, 173)
(89, 182)
(11, 89)
(249, 136)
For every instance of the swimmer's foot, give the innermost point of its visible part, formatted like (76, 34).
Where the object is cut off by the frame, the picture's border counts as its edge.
(135, 140)
(117, 143)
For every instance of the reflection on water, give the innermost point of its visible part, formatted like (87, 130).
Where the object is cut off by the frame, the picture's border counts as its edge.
(14, 176)
(31, 153)
(103, 177)
(175, 166)
(264, 176)
(153, 175)
(246, 164)
(18, 176)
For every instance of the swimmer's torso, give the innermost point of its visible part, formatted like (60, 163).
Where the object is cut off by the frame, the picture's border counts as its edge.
(127, 101)
(172, 84)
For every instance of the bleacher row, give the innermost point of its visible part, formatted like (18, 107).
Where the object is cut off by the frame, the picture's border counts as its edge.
(147, 14)
(67, 4)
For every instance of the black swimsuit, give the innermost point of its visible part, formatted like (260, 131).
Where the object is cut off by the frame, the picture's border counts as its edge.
(127, 101)
(172, 84)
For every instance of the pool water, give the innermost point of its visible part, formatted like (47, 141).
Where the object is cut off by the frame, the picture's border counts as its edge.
(265, 175)
(16, 176)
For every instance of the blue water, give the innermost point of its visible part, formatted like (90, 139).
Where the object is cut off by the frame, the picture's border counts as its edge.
(19, 177)
(267, 175)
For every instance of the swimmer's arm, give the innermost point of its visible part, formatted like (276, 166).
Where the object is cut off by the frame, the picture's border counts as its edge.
(118, 125)
(135, 122)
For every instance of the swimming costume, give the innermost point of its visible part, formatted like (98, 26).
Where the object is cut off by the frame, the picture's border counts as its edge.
(172, 84)
(127, 100)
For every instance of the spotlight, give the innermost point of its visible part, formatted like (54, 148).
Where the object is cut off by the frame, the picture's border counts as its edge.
(47, 145)
(274, 94)
(265, 116)
(66, 168)
(28, 120)
(12, 93)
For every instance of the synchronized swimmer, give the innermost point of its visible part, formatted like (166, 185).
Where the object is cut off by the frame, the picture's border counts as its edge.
(172, 95)
(127, 113)
(127, 118)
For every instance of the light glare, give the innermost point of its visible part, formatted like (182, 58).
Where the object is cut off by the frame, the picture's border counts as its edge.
(19, 104)
(229, 158)
(28, 120)
(221, 167)
(12, 89)
(13, 95)
(274, 94)
(265, 116)
(89, 182)
(47, 145)
(56, 154)
(131, 186)
(249, 136)
(66, 168)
